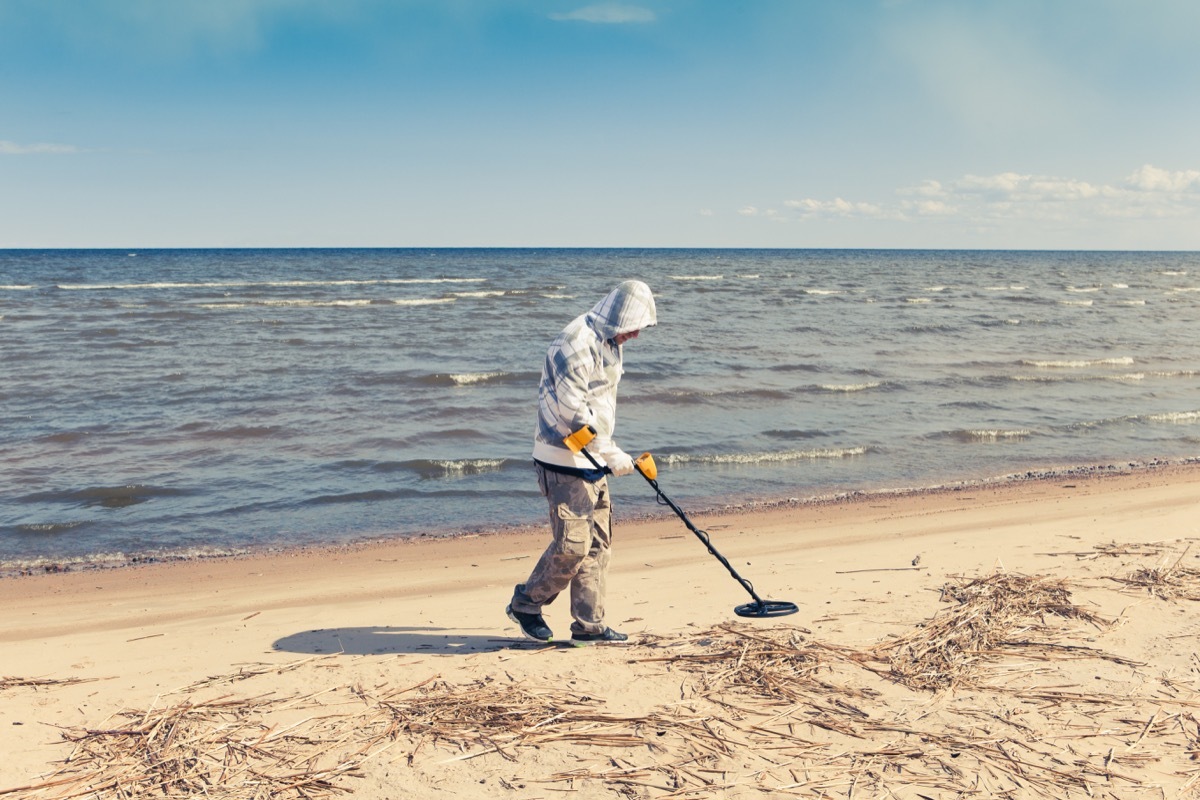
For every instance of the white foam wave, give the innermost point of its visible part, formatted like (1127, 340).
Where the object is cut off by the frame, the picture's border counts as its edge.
(470, 465)
(823, 292)
(290, 304)
(252, 284)
(996, 434)
(1175, 272)
(468, 378)
(484, 293)
(1121, 361)
(1185, 289)
(850, 387)
(423, 301)
(917, 300)
(1120, 285)
(1083, 289)
(15, 288)
(1175, 373)
(559, 296)
(761, 458)
(281, 303)
(1005, 288)
(1130, 303)
(1176, 417)
(935, 288)
(697, 277)
(1075, 302)
(748, 277)
(1131, 377)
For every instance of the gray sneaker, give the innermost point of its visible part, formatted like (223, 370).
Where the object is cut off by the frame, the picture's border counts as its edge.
(607, 635)
(532, 625)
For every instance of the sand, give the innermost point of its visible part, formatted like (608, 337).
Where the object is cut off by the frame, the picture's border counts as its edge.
(1032, 639)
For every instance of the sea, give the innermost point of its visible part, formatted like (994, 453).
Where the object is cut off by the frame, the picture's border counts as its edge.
(162, 404)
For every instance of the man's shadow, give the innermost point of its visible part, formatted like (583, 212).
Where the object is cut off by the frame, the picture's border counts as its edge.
(383, 640)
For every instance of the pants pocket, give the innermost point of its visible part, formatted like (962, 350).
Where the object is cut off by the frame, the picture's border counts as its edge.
(575, 538)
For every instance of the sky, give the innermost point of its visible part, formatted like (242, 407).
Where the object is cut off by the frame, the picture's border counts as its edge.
(983, 124)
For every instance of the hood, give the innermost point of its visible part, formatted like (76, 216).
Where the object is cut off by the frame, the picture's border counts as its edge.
(627, 308)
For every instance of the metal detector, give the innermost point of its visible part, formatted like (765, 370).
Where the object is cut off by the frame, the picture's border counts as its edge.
(577, 442)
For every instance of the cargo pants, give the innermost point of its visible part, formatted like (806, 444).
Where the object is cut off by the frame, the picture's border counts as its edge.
(578, 554)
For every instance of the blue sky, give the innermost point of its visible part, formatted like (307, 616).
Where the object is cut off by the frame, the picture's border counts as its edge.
(756, 123)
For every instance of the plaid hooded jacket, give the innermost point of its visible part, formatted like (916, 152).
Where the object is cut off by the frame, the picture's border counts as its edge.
(580, 376)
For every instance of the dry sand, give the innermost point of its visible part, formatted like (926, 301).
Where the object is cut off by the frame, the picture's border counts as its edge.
(1037, 639)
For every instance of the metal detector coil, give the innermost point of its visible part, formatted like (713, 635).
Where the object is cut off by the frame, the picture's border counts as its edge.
(644, 464)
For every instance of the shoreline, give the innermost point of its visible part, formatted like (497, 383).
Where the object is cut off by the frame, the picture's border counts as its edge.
(88, 564)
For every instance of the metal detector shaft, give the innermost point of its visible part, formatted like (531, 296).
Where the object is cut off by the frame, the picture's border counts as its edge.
(644, 464)
(701, 535)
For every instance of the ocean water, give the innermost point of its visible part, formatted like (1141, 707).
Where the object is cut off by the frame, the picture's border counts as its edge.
(190, 402)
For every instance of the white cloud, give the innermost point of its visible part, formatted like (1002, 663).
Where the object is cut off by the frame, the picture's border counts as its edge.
(13, 149)
(837, 207)
(607, 13)
(1013, 186)
(1148, 193)
(1153, 179)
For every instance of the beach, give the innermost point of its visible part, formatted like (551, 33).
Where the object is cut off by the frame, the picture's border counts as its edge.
(1035, 638)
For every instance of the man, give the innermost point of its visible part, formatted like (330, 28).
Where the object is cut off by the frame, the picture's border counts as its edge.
(578, 388)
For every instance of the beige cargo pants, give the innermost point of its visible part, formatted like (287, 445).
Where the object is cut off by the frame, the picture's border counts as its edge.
(578, 555)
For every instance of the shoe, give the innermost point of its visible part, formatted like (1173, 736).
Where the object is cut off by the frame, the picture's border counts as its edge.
(607, 635)
(532, 625)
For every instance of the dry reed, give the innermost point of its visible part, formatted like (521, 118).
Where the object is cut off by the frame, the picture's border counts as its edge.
(947, 651)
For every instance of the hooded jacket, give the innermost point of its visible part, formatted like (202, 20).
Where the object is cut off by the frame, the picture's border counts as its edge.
(579, 379)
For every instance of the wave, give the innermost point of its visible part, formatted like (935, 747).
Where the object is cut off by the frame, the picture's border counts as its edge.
(260, 284)
(491, 377)
(846, 388)
(105, 496)
(384, 495)
(696, 277)
(50, 528)
(283, 303)
(1119, 361)
(985, 435)
(684, 397)
(796, 434)
(64, 437)
(1175, 417)
(16, 288)
(740, 459)
(236, 432)
(1174, 272)
(1080, 303)
(433, 468)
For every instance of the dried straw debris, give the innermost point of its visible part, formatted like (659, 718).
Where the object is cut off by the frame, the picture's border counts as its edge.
(1166, 582)
(989, 616)
(40, 683)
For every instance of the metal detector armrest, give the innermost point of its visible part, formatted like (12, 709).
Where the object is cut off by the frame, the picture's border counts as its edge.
(580, 439)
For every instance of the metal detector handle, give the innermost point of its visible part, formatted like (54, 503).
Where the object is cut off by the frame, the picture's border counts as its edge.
(646, 466)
